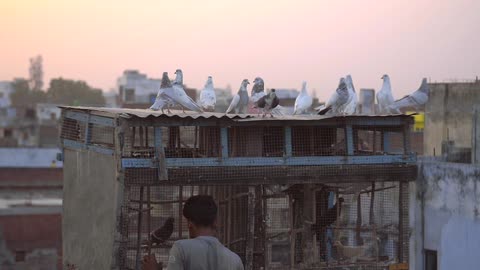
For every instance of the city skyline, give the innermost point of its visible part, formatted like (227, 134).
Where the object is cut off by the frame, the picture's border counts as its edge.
(284, 42)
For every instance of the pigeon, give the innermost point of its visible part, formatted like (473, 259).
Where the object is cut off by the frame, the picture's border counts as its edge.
(181, 97)
(350, 252)
(330, 217)
(336, 101)
(351, 106)
(303, 101)
(258, 89)
(240, 100)
(163, 100)
(385, 96)
(268, 102)
(163, 233)
(416, 99)
(207, 96)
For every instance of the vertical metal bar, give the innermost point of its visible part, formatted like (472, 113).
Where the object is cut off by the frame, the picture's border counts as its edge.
(139, 229)
(358, 240)
(400, 222)
(140, 134)
(288, 141)
(229, 216)
(180, 211)
(292, 232)
(224, 141)
(250, 229)
(349, 140)
(160, 155)
(386, 141)
(407, 148)
(87, 131)
(372, 204)
(149, 221)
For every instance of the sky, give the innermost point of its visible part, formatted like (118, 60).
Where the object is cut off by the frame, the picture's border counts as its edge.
(284, 42)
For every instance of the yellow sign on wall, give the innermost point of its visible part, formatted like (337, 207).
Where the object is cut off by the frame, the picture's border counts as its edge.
(419, 121)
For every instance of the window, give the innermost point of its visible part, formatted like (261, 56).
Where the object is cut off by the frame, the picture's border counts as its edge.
(20, 256)
(430, 259)
(130, 95)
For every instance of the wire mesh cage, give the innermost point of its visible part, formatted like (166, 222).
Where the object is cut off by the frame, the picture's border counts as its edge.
(320, 193)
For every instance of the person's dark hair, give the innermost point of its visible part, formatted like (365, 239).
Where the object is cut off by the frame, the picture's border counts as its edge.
(201, 210)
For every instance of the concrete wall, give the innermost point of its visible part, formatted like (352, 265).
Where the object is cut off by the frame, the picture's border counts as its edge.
(448, 114)
(476, 136)
(447, 214)
(91, 194)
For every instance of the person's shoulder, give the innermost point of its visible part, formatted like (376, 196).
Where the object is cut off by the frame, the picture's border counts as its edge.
(232, 254)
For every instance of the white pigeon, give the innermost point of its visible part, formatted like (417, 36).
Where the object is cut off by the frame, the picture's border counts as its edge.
(163, 100)
(337, 101)
(416, 99)
(385, 96)
(207, 96)
(240, 100)
(181, 96)
(351, 106)
(303, 101)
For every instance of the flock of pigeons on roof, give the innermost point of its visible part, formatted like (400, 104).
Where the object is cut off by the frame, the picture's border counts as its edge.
(342, 102)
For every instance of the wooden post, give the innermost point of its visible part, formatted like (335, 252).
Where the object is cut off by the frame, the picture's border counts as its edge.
(224, 141)
(249, 247)
(229, 216)
(160, 155)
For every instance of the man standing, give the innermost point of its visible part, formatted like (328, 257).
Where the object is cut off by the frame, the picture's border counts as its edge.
(202, 251)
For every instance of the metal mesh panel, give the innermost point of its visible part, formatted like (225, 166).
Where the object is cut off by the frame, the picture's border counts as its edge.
(378, 140)
(72, 130)
(318, 141)
(101, 135)
(306, 226)
(256, 142)
(178, 142)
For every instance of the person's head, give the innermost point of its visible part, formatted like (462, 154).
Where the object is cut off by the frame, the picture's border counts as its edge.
(201, 214)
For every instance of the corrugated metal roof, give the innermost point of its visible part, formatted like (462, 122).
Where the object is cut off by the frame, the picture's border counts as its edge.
(143, 113)
(30, 158)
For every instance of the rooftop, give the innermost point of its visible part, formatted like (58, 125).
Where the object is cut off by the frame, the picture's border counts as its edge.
(30, 158)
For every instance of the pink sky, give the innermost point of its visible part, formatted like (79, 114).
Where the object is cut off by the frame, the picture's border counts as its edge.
(285, 42)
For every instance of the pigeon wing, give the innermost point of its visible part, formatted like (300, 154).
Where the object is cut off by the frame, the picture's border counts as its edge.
(234, 103)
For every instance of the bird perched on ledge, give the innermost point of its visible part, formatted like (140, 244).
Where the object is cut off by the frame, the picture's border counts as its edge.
(163, 233)
(268, 103)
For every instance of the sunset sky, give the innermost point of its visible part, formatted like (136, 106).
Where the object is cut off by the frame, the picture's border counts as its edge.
(285, 42)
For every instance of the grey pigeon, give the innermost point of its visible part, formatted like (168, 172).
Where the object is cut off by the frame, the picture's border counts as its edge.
(416, 99)
(258, 89)
(351, 106)
(240, 100)
(337, 101)
(163, 101)
(181, 96)
(163, 233)
(385, 96)
(268, 102)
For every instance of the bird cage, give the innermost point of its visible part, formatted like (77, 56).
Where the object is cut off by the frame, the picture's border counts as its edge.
(293, 192)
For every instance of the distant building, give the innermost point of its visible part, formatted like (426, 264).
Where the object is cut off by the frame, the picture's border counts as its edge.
(111, 99)
(135, 87)
(448, 116)
(31, 182)
(6, 89)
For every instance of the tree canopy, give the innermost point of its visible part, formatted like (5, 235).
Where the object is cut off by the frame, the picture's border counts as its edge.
(70, 92)
(23, 96)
